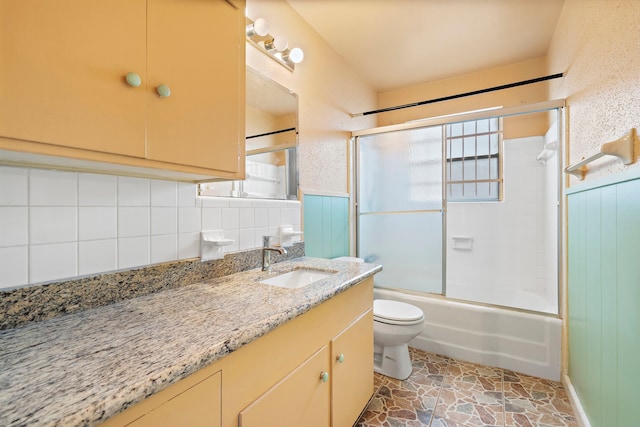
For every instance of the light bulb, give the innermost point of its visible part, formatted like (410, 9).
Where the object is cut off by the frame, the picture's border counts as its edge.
(278, 43)
(295, 55)
(260, 27)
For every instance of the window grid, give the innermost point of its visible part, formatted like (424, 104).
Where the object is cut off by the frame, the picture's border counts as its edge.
(473, 155)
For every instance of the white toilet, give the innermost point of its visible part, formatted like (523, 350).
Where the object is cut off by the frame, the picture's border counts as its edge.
(395, 323)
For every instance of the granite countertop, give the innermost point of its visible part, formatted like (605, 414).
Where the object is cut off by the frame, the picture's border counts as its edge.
(83, 368)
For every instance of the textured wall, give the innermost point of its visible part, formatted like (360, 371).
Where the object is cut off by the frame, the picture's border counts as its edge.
(597, 45)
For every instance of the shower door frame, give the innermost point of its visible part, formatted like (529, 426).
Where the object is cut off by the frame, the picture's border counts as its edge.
(442, 209)
(545, 106)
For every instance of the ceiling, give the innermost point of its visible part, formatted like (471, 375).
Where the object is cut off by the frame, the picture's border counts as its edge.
(399, 43)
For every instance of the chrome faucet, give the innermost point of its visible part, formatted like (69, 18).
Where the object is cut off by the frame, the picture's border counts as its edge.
(266, 252)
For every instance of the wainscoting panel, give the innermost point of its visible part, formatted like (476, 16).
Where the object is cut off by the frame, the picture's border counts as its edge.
(604, 300)
(326, 226)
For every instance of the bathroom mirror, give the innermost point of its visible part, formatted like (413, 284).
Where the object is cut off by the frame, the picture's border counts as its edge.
(271, 141)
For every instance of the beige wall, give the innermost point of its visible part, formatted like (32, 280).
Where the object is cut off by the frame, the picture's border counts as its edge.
(523, 126)
(328, 90)
(597, 45)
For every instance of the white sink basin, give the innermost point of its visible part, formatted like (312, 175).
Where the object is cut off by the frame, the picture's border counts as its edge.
(297, 278)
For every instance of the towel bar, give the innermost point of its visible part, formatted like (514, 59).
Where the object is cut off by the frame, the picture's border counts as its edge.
(625, 148)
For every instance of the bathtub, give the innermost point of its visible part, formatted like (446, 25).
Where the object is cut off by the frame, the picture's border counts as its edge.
(506, 296)
(510, 339)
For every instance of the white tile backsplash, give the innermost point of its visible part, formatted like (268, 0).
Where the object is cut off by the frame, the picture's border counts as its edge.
(211, 218)
(53, 188)
(14, 264)
(187, 195)
(53, 262)
(240, 203)
(14, 226)
(133, 252)
(261, 217)
(164, 193)
(164, 221)
(14, 186)
(97, 190)
(97, 222)
(133, 191)
(246, 218)
(133, 221)
(259, 232)
(59, 225)
(189, 220)
(97, 256)
(230, 218)
(53, 224)
(164, 248)
(215, 202)
(274, 217)
(246, 239)
(188, 245)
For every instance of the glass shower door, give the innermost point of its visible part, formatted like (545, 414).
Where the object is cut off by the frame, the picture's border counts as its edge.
(400, 207)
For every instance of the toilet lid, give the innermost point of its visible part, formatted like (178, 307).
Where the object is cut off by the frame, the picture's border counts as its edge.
(396, 311)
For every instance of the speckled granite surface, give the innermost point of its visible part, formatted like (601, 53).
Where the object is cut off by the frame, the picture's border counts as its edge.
(41, 302)
(82, 368)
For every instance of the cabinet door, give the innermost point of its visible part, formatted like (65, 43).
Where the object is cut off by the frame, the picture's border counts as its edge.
(62, 73)
(199, 406)
(352, 371)
(300, 399)
(196, 48)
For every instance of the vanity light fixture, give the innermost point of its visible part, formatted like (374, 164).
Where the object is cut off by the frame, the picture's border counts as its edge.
(276, 47)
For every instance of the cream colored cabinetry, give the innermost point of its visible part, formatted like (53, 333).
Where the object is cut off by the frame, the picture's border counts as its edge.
(323, 391)
(302, 398)
(65, 93)
(352, 365)
(280, 375)
(195, 402)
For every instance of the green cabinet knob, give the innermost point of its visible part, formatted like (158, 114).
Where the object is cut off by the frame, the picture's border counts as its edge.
(133, 79)
(163, 91)
(340, 358)
(324, 376)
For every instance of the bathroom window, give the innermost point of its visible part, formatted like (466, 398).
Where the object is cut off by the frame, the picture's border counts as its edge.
(474, 169)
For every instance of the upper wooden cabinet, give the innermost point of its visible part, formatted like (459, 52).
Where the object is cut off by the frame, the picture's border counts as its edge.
(63, 82)
(62, 75)
(192, 47)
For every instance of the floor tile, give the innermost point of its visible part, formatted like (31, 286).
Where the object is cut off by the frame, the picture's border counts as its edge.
(445, 392)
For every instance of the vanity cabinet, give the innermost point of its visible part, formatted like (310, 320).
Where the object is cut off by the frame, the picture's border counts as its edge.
(331, 388)
(294, 375)
(156, 85)
(351, 371)
(197, 406)
(302, 398)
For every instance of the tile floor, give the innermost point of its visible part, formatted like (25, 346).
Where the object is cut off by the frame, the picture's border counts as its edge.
(444, 392)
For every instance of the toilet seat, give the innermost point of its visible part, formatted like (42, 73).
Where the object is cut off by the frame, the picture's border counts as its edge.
(396, 312)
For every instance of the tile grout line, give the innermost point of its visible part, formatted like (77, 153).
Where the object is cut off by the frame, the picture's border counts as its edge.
(504, 409)
(433, 414)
